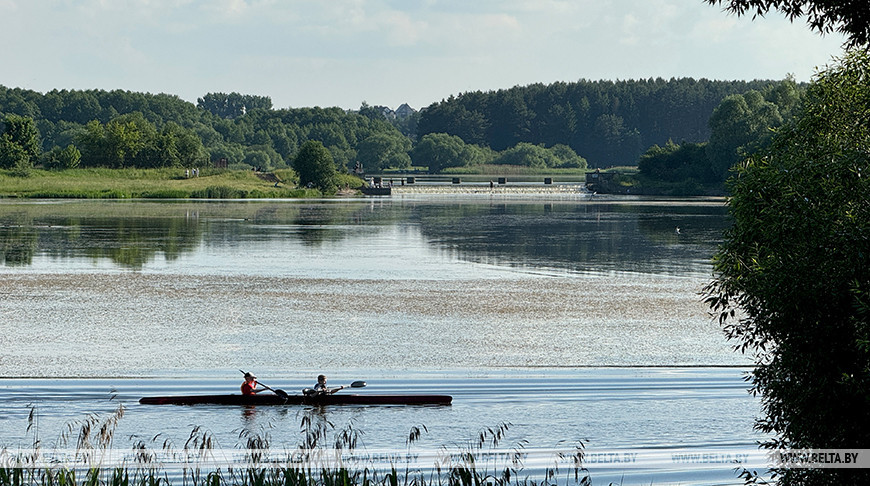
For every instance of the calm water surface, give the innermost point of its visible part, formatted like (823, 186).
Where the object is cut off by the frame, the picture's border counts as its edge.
(570, 319)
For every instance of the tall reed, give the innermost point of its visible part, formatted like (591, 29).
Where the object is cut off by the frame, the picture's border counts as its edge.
(324, 456)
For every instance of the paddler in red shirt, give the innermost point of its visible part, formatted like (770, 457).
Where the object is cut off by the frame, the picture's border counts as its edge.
(249, 387)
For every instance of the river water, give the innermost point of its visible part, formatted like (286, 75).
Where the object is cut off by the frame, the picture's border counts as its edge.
(570, 319)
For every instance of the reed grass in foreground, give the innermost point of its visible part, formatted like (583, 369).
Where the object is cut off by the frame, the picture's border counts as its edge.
(150, 183)
(323, 457)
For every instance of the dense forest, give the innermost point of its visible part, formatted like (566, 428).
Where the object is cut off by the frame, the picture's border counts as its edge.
(606, 122)
(556, 126)
(127, 129)
(742, 124)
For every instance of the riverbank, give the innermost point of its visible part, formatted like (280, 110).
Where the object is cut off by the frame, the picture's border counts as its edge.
(180, 183)
(174, 183)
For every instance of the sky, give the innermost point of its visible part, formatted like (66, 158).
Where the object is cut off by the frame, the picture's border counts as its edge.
(305, 53)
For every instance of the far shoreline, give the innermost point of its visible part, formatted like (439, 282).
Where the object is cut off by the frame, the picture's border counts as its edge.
(166, 184)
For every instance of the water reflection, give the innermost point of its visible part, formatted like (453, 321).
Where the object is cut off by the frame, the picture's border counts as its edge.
(129, 242)
(574, 235)
(249, 412)
(580, 237)
(18, 243)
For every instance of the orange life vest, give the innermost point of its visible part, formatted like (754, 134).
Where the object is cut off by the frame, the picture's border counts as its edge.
(248, 389)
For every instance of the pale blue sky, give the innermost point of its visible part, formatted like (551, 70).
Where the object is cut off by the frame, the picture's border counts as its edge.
(387, 52)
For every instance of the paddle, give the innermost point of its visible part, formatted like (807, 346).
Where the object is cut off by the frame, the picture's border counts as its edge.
(356, 384)
(280, 393)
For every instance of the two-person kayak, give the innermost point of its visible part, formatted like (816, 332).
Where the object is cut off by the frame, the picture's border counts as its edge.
(320, 399)
(319, 395)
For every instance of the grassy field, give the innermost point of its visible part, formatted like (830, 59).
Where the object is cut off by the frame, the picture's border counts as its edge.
(149, 183)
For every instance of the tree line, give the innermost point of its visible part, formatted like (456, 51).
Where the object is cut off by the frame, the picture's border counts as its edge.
(741, 125)
(561, 125)
(607, 122)
(128, 129)
(125, 129)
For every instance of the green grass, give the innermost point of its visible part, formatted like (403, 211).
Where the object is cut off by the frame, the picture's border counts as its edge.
(622, 169)
(348, 180)
(148, 183)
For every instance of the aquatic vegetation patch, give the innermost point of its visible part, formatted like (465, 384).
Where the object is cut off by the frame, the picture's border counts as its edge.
(324, 456)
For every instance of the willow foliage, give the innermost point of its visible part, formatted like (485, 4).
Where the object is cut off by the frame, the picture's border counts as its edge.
(793, 276)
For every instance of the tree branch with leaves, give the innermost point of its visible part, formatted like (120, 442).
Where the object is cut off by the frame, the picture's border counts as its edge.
(848, 17)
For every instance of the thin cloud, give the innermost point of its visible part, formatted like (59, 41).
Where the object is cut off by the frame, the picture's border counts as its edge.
(341, 52)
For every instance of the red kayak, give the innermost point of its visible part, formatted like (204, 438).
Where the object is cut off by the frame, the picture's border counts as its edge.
(337, 399)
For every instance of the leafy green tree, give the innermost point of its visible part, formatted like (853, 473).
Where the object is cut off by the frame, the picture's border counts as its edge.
(188, 145)
(65, 133)
(208, 136)
(849, 17)
(132, 141)
(793, 275)
(315, 167)
(273, 159)
(21, 130)
(619, 144)
(528, 155)
(172, 146)
(439, 151)
(568, 157)
(676, 163)
(383, 151)
(126, 136)
(538, 156)
(515, 120)
(91, 142)
(234, 153)
(62, 158)
(18, 101)
(739, 126)
(370, 112)
(330, 134)
(79, 107)
(70, 157)
(12, 155)
(342, 157)
(786, 95)
(233, 105)
(453, 116)
(257, 159)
